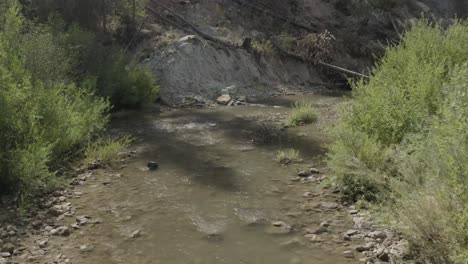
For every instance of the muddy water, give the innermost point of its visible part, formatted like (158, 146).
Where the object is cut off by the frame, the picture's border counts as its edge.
(216, 193)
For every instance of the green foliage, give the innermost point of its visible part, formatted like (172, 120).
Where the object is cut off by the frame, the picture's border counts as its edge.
(302, 113)
(106, 150)
(403, 141)
(126, 85)
(40, 122)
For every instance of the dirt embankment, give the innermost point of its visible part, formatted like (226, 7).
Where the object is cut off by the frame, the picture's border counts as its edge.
(193, 70)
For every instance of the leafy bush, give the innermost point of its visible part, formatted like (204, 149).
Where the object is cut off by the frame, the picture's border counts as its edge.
(302, 113)
(402, 140)
(39, 122)
(126, 85)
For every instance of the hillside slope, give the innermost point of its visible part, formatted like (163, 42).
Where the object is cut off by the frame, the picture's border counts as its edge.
(194, 70)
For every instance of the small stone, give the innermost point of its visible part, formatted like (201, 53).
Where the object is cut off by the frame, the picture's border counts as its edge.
(278, 224)
(43, 244)
(316, 238)
(352, 232)
(38, 252)
(82, 220)
(378, 234)
(303, 174)
(314, 171)
(152, 165)
(5, 254)
(365, 247)
(135, 234)
(361, 223)
(36, 224)
(348, 254)
(320, 230)
(60, 231)
(86, 248)
(224, 99)
(329, 205)
(325, 224)
(353, 212)
(8, 247)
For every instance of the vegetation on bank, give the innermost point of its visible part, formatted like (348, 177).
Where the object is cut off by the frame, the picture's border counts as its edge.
(58, 83)
(302, 113)
(402, 142)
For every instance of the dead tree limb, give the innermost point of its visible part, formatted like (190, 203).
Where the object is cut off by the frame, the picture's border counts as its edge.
(318, 62)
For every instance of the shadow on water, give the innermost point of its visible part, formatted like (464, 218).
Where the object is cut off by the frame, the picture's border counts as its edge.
(197, 160)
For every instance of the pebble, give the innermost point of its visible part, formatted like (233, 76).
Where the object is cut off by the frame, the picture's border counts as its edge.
(43, 244)
(86, 248)
(377, 234)
(314, 171)
(320, 230)
(135, 234)
(60, 231)
(348, 254)
(352, 232)
(152, 165)
(329, 205)
(8, 247)
(303, 174)
(5, 254)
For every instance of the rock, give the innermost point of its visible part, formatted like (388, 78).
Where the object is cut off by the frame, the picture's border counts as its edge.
(8, 247)
(400, 249)
(382, 254)
(329, 205)
(325, 224)
(82, 220)
(352, 232)
(377, 234)
(348, 254)
(187, 38)
(38, 252)
(43, 244)
(86, 248)
(135, 234)
(279, 229)
(320, 230)
(36, 224)
(5, 254)
(361, 223)
(224, 99)
(60, 231)
(315, 238)
(353, 212)
(365, 247)
(152, 165)
(303, 174)
(314, 171)
(308, 195)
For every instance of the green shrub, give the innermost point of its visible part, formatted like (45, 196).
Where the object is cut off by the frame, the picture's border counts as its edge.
(40, 123)
(125, 84)
(403, 141)
(287, 156)
(106, 150)
(302, 113)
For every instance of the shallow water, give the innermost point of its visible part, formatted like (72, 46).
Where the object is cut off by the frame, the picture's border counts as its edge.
(215, 195)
